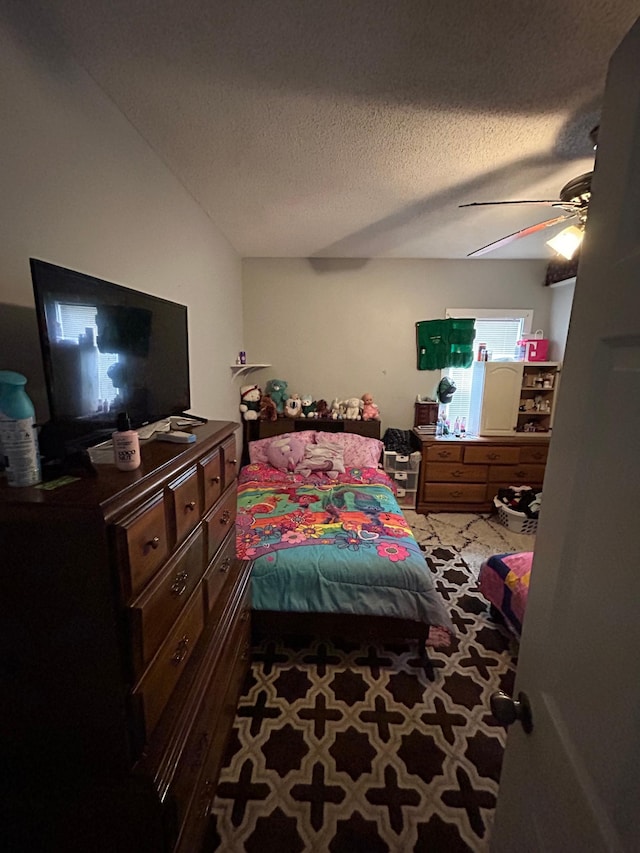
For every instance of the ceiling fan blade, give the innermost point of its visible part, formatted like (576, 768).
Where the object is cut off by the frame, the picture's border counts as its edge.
(546, 201)
(524, 232)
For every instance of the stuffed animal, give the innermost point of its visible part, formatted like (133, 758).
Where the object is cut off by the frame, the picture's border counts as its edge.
(337, 409)
(352, 410)
(293, 406)
(267, 409)
(287, 452)
(370, 412)
(308, 406)
(277, 390)
(250, 402)
(322, 409)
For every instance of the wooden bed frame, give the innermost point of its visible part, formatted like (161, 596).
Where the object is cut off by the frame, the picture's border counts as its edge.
(358, 628)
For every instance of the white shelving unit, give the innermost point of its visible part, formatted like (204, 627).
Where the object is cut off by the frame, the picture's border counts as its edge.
(239, 369)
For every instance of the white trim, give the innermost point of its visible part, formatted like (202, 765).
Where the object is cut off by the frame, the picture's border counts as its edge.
(525, 314)
(564, 281)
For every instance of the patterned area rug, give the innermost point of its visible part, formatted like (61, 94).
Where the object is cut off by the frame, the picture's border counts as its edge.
(341, 747)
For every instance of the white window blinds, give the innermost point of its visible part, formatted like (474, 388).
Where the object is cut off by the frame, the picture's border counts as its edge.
(499, 336)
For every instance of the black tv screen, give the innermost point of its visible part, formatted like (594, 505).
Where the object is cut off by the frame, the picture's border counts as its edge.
(108, 349)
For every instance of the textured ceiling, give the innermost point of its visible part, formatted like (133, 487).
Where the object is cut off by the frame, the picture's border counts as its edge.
(352, 128)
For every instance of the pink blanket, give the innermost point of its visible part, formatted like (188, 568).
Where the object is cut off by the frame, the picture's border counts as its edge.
(504, 581)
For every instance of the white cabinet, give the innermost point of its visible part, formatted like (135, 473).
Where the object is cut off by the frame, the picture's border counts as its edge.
(512, 396)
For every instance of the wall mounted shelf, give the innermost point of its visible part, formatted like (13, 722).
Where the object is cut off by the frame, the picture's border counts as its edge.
(239, 369)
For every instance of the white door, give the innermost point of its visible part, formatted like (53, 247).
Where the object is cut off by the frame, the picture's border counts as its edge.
(502, 385)
(573, 784)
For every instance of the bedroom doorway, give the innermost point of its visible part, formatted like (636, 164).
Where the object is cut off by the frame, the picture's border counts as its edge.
(572, 783)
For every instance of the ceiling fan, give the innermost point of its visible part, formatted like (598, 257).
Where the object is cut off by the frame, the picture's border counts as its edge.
(573, 199)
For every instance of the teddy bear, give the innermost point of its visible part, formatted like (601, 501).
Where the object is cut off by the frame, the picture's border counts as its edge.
(352, 410)
(308, 406)
(250, 402)
(322, 409)
(293, 406)
(370, 411)
(267, 409)
(277, 390)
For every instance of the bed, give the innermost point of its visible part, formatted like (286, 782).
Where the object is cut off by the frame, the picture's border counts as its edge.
(504, 582)
(332, 551)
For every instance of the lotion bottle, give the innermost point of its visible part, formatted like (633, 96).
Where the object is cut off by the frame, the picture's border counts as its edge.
(126, 444)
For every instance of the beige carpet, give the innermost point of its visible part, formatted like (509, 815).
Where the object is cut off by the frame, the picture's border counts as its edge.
(475, 536)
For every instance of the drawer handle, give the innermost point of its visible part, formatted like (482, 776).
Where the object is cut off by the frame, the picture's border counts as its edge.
(153, 543)
(521, 474)
(179, 585)
(225, 565)
(233, 462)
(493, 456)
(190, 506)
(457, 473)
(225, 517)
(181, 651)
(215, 480)
(444, 454)
(245, 653)
(457, 493)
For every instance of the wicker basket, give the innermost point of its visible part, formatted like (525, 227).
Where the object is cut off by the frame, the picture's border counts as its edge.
(517, 522)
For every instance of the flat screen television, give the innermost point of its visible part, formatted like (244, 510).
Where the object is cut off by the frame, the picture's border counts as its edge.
(108, 349)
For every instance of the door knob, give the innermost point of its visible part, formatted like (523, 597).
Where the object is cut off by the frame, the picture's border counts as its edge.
(507, 710)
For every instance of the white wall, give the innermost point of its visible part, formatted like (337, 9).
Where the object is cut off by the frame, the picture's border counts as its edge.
(81, 189)
(340, 328)
(561, 303)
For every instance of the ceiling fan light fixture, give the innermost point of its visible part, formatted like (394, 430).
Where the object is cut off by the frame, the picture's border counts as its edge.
(566, 243)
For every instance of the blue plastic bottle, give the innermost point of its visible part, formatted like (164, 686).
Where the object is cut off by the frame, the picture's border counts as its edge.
(18, 438)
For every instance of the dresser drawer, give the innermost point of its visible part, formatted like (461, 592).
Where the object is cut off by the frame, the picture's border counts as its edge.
(157, 684)
(536, 455)
(443, 453)
(230, 461)
(516, 475)
(143, 544)
(210, 468)
(456, 472)
(220, 521)
(455, 492)
(197, 773)
(220, 571)
(494, 454)
(153, 613)
(183, 498)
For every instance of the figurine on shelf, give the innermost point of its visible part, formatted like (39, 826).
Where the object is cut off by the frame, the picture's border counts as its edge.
(370, 411)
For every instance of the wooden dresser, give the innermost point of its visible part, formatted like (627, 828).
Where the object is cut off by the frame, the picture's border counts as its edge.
(464, 474)
(125, 641)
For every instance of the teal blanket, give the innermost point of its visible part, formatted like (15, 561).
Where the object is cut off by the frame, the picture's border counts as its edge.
(333, 546)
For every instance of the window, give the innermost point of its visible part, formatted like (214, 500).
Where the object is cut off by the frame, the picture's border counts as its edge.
(499, 329)
(78, 323)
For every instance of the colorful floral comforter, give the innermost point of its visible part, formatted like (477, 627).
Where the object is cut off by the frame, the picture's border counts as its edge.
(504, 581)
(333, 545)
